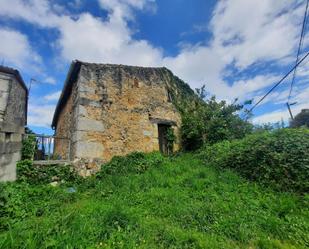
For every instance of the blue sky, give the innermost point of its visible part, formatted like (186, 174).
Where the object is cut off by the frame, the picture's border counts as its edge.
(237, 48)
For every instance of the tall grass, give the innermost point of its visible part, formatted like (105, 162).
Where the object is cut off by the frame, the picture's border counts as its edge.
(173, 202)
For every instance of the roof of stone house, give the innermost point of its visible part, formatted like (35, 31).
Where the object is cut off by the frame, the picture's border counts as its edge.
(15, 72)
(74, 72)
(72, 78)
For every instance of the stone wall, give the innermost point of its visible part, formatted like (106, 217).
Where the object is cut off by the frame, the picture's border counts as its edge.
(10, 153)
(13, 99)
(117, 110)
(12, 104)
(65, 129)
(117, 106)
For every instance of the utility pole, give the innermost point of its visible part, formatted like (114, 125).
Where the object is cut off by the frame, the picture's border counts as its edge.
(289, 108)
(30, 83)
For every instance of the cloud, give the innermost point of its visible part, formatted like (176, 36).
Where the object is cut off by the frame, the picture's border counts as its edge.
(15, 49)
(123, 9)
(40, 115)
(278, 115)
(50, 80)
(241, 39)
(41, 110)
(53, 96)
(247, 37)
(91, 39)
(39, 12)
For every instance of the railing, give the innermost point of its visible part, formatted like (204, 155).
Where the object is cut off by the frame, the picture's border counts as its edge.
(51, 148)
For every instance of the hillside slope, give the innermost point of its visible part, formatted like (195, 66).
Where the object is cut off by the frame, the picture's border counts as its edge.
(180, 203)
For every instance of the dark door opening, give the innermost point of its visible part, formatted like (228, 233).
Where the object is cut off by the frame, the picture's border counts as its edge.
(165, 148)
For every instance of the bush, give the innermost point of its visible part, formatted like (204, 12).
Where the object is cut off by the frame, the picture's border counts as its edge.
(279, 159)
(27, 172)
(28, 147)
(208, 121)
(135, 163)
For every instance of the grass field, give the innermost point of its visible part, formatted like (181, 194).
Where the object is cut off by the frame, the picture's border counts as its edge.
(179, 204)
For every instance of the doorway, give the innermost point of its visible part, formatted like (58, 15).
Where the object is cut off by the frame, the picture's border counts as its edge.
(165, 148)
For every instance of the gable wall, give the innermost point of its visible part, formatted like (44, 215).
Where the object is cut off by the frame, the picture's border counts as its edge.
(114, 111)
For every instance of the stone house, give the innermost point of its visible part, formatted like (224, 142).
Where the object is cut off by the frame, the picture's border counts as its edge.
(13, 118)
(106, 110)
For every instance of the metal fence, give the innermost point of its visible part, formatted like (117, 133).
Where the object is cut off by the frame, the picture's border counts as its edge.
(51, 148)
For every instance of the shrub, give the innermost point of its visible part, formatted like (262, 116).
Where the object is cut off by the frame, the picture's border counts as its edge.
(279, 159)
(208, 121)
(135, 162)
(3, 209)
(301, 119)
(32, 174)
(28, 147)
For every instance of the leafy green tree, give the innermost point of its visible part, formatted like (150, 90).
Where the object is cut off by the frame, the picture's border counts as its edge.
(207, 121)
(301, 119)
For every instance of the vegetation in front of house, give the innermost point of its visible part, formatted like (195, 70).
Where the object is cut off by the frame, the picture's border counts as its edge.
(279, 158)
(182, 201)
(28, 147)
(37, 174)
(134, 163)
(205, 120)
(176, 202)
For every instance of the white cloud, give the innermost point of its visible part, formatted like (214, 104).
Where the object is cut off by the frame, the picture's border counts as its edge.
(121, 9)
(15, 49)
(270, 32)
(41, 110)
(53, 96)
(241, 38)
(40, 115)
(49, 80)
(278, 115)
(90, 39)
(33, 11)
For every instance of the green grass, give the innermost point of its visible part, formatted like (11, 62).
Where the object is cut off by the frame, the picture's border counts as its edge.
(180, 204)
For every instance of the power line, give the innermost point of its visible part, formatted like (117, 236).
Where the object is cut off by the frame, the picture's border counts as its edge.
(302, 34)
(279, 82)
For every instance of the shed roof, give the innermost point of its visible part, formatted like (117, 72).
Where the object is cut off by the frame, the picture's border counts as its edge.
(15, 72)
(72, 76)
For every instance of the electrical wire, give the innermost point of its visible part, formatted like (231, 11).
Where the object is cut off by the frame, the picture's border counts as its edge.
(302, 35)
(279, 82)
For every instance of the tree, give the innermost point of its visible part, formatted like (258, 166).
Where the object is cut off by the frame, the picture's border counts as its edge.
(207, 121)
(301, 119)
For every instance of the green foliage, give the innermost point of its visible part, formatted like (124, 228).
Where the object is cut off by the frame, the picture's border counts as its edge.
(279, 159)
(136, 163)
(27, 172)
(171, 138)
(211, 121)
(181, 204)
(301, 119)
(28, 147)
(22, 200)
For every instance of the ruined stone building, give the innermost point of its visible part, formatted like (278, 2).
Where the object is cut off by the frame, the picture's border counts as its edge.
(13, 118)
(106, 110)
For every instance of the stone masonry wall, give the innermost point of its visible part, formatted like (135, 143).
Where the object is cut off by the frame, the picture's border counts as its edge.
(12, 104)
(65, 129)
(117, 109)
(12, 120)
(10, 153)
